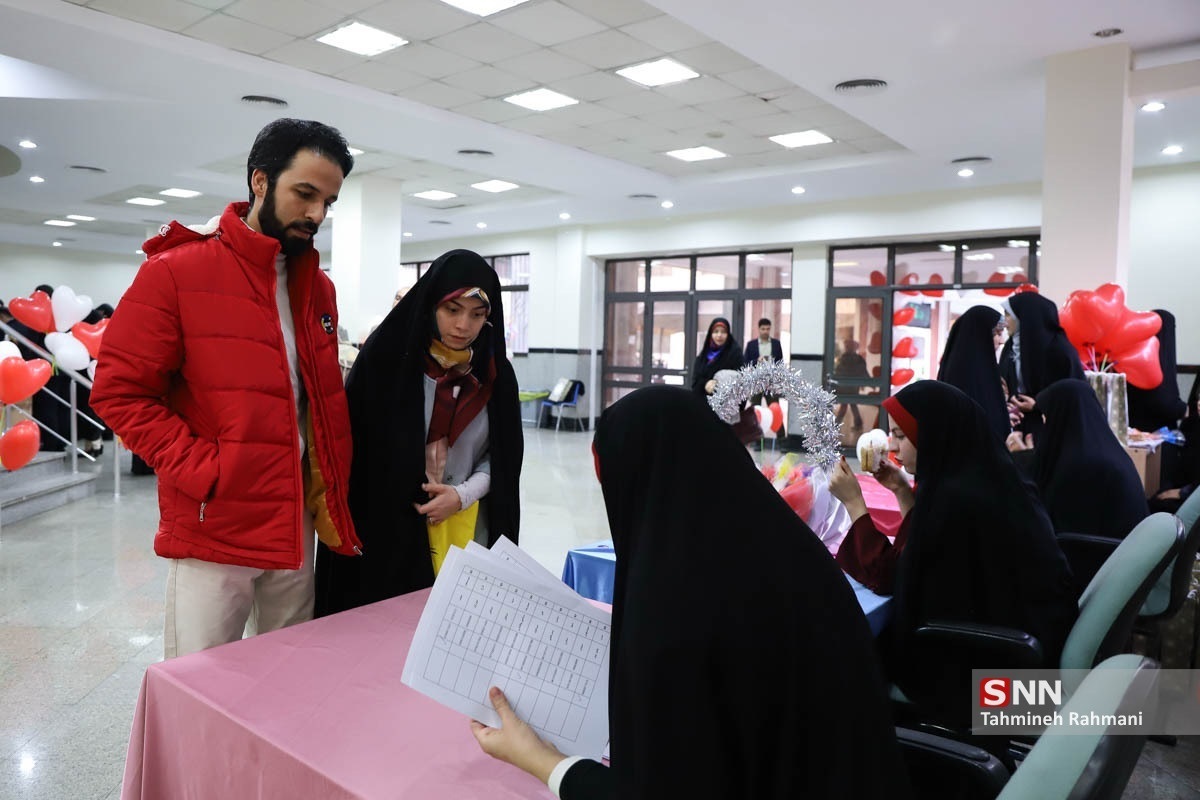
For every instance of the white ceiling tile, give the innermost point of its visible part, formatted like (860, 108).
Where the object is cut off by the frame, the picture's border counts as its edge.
(417, 20)
(596, 86)
(439, 95)
(237, 34)
(820, 117)
(214, 5)
(877, 144)
(700, 90)
(653, 144)
(743, 144)
(492, 110)
(489, 82)
(738, 108)
(796, 99)
(172, 15)
(310, 55)
(849, 131)
(345, 6)
(615, 13)
(630, 129)
(380, 76)
(676, 119)
(769, 125)
(547, 23)
(641, 103)
(755, 79)
(666, 33)
(713, 58)
(297, 17)
(543, 66)
(608, 50)
(585, 114)
(618, 150)
(710, 133)
(538, 124)
(425, 59)
(484, 42)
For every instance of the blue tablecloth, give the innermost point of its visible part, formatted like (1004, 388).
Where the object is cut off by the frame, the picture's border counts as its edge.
(590, 570)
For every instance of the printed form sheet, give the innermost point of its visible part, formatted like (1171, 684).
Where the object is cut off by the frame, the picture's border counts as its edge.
(493, 620)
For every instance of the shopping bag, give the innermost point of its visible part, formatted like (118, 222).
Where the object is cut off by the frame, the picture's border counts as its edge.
(1111, 391)
(455, 531)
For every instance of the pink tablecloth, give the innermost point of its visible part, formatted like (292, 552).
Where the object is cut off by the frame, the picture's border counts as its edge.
(881, 503)
(315, 710)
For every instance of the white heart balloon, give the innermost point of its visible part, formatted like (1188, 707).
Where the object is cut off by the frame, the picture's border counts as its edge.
(92, 369)
(765, 419)
(8, 350)
(69, 353)
(69, 308)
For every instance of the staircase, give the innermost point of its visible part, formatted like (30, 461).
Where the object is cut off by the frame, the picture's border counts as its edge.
(42, 484)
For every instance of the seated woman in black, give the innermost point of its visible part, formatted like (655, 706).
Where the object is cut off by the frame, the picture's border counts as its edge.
(742, 665)
(969, 364)
(720, 352)
(1187, 473)
(977, 545)
(1087, 480)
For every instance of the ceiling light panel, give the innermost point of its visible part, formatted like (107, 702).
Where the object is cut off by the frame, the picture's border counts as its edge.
(362, 40)
(801, 138)
(495, 186)
(435, 194)
(483, 8)
(81, 218)
(696, 154)
(658, 73)
(186, 194)
(541, 100)
(145, 201)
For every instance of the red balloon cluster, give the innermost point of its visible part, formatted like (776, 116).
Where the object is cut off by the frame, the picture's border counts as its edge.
(1004, 291)
(1103, 328)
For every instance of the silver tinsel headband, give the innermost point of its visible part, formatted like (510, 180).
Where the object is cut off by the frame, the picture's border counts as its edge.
(821, 431)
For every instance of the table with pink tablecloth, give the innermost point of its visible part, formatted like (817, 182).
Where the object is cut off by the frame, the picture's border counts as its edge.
(312, 711)
(882, 505)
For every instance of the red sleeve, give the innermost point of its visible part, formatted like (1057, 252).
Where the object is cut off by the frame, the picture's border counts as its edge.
(868, 557)
(141, 351)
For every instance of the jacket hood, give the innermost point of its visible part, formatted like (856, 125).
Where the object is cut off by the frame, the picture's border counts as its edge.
(176, 233)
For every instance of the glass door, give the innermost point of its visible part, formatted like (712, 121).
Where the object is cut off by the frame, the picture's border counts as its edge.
(855, 357)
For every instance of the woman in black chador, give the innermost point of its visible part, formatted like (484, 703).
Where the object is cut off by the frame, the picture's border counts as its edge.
(437, 428)
(969, 364)
(1036, 354)
(769, 687)
(720, 352)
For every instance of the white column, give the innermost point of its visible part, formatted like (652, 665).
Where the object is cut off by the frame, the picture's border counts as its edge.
(367, 235)
(1088, 170)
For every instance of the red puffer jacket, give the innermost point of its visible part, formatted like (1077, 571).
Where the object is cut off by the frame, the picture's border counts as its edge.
(193, 376)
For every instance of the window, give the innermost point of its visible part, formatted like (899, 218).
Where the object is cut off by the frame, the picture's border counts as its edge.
(513, 271)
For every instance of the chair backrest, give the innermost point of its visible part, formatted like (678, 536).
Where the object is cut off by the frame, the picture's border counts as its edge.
(1109, 605)
(1093, 763)
(1168, 593)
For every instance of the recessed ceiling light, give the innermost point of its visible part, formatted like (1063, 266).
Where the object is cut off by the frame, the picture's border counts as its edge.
(354, 151)
(56, 244)
(845, 263)
(435, 194)
(658, 73)
(667, 204)
(541, 100)
(28, 144)
(363, 40)
(798, 190)
(564, 216)
(946, 248)
(965, 172)
(1018, 243)
(494, 186)
(145, 201)
(81, 218)
(408, 233)
(59, 223)
(186, 194)
(481, 225)
(483, 8)
(1153, 106)
(980, 257)
(36, 179)
(1169, 150)
(696, 154)
(801, 138)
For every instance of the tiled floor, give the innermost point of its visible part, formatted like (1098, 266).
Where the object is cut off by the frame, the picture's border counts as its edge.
(81, 597)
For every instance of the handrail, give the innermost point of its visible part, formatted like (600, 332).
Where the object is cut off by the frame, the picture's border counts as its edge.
(44, 353)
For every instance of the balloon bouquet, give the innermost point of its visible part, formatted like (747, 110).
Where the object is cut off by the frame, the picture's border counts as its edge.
(74, 345)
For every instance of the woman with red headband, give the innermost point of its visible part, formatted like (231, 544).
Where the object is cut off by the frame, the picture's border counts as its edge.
(976, 545)
(437, 435)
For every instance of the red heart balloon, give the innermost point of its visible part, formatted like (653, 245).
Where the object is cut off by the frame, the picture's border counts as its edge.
(35, 311)
(20, 379)
(19, 444)
(877, 278)
(902, 376)
(876, 309)
(875, 346)
(935, 278)
(909, 279)
(777, 418)
(1140, 364)
(90, 335)
(903, 316)
(1103, 328)
(905, 348)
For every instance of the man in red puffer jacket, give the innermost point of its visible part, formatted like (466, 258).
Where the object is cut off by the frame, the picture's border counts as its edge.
(220, 369)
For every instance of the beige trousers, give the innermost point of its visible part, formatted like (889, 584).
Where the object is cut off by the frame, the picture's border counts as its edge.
(211, 604)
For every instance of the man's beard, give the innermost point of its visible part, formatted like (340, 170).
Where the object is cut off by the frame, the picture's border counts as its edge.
(289, 244)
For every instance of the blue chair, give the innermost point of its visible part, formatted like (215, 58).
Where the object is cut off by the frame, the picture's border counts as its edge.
(565, 399)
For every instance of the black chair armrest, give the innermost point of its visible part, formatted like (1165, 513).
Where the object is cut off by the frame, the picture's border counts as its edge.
(1086, 554)
(978, 644)
(946, 768)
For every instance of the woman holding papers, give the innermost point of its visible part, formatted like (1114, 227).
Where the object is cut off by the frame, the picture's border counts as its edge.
(437, 436)
(741, 664)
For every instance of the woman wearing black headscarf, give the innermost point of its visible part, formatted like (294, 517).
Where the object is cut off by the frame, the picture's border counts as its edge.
(437, 427)
(1087, 480)
(1160, 407)
(1036, 354)
(1187, 470)
(768, 688)
(977, 545)
(720, 352)
(969, 364)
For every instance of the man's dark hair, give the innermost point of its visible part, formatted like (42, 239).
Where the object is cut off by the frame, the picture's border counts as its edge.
(48, 289)
(764, 321)
(277, 144)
